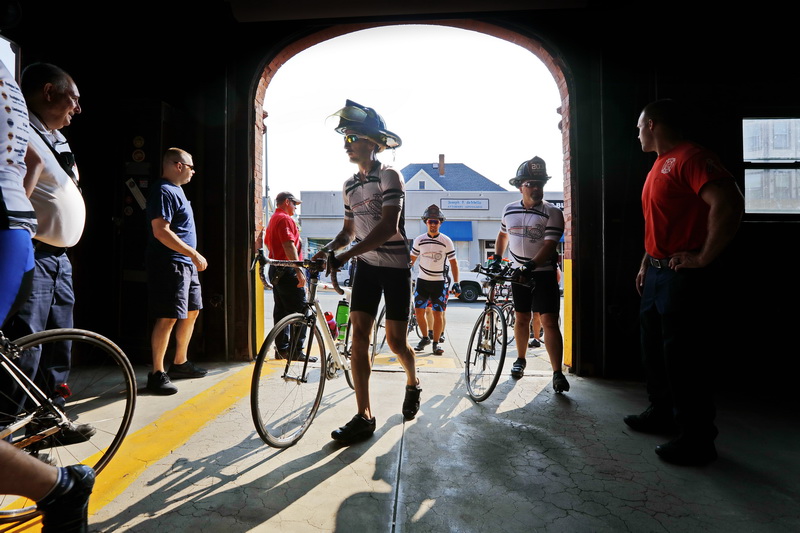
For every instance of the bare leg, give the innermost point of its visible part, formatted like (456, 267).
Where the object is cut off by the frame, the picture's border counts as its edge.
(555, 343)
(438, 325)
(398, 342)
(522, 327)
(360, 369)
(422, 320)
(537, 326)
(159, 340)
(183, 334)
(24, 475)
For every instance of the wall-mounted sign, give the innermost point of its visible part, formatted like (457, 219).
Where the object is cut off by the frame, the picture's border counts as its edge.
(464, 203)
(138, 156)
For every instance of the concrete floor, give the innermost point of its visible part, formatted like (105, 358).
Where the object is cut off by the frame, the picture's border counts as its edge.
(524, 460)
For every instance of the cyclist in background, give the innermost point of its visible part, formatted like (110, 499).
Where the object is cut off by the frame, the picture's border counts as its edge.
(434, 250)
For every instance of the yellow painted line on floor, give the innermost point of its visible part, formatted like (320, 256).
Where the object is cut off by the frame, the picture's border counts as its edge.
(421, 361)
(146, 446)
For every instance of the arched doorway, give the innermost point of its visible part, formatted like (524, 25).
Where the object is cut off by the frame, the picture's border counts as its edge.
(549, 58)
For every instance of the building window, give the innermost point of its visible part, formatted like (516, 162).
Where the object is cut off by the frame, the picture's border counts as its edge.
(421, 185)
(771, 169)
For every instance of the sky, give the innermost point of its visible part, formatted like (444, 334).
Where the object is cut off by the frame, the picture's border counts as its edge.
(479, 100)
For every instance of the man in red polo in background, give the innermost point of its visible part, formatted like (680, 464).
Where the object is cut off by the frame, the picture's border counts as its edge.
(282, 240)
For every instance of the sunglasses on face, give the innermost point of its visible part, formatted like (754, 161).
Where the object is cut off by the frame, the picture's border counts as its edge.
(531, 184)
(433, 221)
(351, 138)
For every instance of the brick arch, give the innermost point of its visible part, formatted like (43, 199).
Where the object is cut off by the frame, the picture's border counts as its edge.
(551, 62)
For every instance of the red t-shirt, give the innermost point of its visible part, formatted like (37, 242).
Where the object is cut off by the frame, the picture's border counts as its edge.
(282, 228)
(675, 216)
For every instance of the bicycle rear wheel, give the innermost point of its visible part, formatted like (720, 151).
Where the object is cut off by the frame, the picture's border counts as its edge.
(285, 393)
(486, 353)
(378, 335)
(348, 347)
(100, 391)
(510, 316)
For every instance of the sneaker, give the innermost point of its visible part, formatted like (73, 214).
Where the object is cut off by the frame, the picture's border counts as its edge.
(186, 370)
(66, 507)
(284, 354)
(560, 383)
(652, 420)
(441, 338)
(437, 350)
(70, 434)
(411, 401)
(159, 383)
(518, 368)
(359, 428)
(422, 344)
(534, 343)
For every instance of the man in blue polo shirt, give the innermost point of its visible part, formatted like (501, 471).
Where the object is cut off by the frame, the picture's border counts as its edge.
(173, 263)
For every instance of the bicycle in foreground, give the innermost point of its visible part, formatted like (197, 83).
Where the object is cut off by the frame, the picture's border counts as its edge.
(101, 391)
(486, 351)
(285, 394)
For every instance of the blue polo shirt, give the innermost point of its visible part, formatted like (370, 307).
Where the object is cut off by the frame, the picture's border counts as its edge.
(168, 201)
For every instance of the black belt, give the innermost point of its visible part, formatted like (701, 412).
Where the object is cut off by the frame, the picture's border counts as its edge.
(40, 246)
(658, 263)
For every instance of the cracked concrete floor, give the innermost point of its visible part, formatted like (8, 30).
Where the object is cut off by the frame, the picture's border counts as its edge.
(524, 460)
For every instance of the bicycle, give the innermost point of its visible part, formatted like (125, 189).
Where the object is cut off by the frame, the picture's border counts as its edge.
(486, 350)
(502, 293)
(101, 391)
(285, 394)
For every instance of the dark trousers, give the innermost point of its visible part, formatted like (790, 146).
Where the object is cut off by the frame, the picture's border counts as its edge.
(289, 298)
(48, 307)
(678, 318)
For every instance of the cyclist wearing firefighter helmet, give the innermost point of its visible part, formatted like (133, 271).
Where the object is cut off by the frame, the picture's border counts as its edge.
(373, 220)
(532, 229)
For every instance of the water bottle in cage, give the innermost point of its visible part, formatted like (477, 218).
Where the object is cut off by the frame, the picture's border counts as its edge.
(342, 316)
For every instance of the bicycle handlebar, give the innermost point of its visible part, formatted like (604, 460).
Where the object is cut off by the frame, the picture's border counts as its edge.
(313, 265)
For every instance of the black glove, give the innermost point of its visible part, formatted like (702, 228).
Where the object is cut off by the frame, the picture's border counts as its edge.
(456, 288)
(495, 263)
(333, 264)
(524, 274)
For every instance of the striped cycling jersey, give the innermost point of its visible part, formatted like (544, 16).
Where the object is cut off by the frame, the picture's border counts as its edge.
(363, 204)
(528, 228)
(433, 255)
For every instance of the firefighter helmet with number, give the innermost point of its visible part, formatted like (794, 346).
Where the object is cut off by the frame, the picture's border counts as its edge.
(532, 170)
(433, 211)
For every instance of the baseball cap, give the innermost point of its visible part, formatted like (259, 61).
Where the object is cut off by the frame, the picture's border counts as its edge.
(283, 196)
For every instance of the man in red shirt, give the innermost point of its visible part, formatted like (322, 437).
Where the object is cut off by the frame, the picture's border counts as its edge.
(282, 240)
(692, 208)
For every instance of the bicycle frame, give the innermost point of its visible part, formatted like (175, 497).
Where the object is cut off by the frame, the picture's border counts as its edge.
(33, 392)
(333, 346)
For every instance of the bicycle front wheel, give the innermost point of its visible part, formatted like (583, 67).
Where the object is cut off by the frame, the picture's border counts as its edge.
(486, 353)
(285, 393)
(100, 392)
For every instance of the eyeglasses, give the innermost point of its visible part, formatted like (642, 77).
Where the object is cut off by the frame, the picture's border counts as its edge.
(531, 184)
(433, 221)
(351, 138)
(191, 167)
